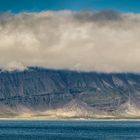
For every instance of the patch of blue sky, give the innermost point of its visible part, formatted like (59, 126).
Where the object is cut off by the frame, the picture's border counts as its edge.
(16, 6)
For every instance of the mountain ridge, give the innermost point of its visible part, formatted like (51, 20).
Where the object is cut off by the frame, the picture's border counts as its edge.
(92, 93)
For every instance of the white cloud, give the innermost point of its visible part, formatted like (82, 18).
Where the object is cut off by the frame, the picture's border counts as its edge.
(99, 41)
(14, 66)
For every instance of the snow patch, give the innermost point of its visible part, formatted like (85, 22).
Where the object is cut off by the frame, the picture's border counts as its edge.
(107, 84)
(118, 82)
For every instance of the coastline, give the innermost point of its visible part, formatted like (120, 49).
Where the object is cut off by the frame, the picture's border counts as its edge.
(10, 118)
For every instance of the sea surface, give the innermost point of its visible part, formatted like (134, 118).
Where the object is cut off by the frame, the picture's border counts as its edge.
(69, 130)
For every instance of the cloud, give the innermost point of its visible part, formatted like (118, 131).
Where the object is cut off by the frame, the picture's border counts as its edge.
(14, 66)
(91, 41)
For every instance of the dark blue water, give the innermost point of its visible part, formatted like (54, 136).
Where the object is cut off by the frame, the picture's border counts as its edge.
(69, 130)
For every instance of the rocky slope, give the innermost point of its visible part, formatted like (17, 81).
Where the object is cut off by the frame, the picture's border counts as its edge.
(69, 93)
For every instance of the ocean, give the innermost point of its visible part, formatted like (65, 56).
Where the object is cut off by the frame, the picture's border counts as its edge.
(69, 130)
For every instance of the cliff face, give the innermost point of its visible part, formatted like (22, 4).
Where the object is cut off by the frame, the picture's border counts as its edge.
(43, 89)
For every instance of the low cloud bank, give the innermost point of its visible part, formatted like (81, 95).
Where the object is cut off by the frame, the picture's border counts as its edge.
(90, 41)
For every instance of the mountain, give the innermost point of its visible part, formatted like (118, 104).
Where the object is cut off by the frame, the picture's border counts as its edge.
(67, 93)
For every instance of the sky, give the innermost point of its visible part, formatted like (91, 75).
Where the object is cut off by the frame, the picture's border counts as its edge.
(85, 35)
(76, 5)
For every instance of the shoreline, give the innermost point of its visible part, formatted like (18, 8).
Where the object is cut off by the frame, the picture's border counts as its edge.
(69, 119)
